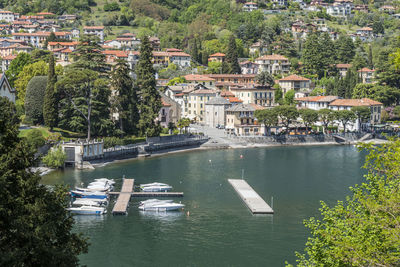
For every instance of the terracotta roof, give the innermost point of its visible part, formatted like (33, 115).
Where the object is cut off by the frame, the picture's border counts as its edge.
(272, 57)
(179, 94)
(10, 57)
(203, 91)
(365, 29)
(173, 50)
(129, 34)
(197, 77)
(227, 93)
(165, 104)
(45, 14)
(233, 99)
(328, 98)
(63, 43)
(217, 55)
(250, 3)
(117, 53)
(39, 33)
(343, 66)
(366, 70)
(160, 54)
(178, 54)
(122, 39)
(355, 102)
(93, 27)
(294, 77)
(231, 75)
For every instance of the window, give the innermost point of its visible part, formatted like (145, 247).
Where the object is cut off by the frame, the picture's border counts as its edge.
(201, 105)
(201, 98)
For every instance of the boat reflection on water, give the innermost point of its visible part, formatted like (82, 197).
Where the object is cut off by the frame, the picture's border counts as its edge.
(163, 216)
(89, 221)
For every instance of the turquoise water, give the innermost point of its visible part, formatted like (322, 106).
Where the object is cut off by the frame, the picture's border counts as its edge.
(220, 230)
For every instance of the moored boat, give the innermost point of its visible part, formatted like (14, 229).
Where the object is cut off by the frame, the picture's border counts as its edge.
(87, 210)
(160, 188)
(152, 201)
(95, 194)
(89, 202)
(109, 181)
(159, 206)
(153, 184)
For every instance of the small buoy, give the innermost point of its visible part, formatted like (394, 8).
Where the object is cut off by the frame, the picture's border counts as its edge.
(187, 213)
(209, 160)
(241, 156)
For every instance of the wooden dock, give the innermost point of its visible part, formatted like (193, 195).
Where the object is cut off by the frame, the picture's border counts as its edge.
(121, 206)
(152, 194)
(253, 201)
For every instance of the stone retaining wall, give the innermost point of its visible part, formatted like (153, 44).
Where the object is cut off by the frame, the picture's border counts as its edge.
(296, 139)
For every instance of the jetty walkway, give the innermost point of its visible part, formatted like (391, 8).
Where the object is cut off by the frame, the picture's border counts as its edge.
(254, 202)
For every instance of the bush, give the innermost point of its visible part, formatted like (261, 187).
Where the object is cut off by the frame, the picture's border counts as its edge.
(35, 138)
(55, 158)
(34, 98)
(111, 7)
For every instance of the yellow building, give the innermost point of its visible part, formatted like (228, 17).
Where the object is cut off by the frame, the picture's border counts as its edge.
(240, 120)
(252, 94)
(195, 103)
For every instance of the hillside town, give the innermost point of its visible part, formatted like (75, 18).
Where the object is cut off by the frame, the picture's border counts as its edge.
(106, 106)
(210, 95)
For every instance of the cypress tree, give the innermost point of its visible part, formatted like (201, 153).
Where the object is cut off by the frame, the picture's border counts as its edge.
(125, 99)
(232, 57)
(149, 98)
(195, 51)
(370, 58)
(50, 104)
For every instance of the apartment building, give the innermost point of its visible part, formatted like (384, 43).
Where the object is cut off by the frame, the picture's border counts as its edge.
(273, 64)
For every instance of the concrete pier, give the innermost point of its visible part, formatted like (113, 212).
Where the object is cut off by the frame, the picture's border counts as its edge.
(121, 206)
(250, 197)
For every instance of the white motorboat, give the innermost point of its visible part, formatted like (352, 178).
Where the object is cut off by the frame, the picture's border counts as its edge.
(109, 181)
(100, 186)
(160, 206)
(159, 188)
(87, 210)
(95, 194)
(153, 200)
(89, 202)
(92, 189)
(153, 184)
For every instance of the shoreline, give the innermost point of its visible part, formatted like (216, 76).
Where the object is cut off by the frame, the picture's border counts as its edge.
(166, 152)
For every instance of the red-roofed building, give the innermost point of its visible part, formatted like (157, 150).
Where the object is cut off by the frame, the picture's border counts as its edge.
(250, 6)
(217, 57)
(95, 30)
(273, 64)
(343, 68)
(254, 94)
(6, 61)
(113, 55)
(200, 79)
(366, 75)
(299, 84)
(56, 45)
(46, 14)
(195, 103)
(315, 102)
(347, 104)
(37, 39)
(240, 120)
(8, 16)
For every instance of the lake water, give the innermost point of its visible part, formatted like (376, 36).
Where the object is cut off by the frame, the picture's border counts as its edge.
(220, 230)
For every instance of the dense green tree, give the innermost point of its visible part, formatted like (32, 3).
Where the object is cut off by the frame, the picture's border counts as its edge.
(359, 62)
(345, 117)
(312, 56)
(362, 113)
(377, 27)
(50, 105)
(55, 158)
(35, 228)
(370, 58)
(183, 123)
(268, 117)
(349, 82)
(149, 98)
(231, 57)
(364, 229)
(125, 99)
(265, 78)
(309, 117)
(35, 138)
(85, 103)
(327, 50)
(384, 94)
(287, 114)
(176, 80)
(289, 97)
(345, 49)
(16, 66)
(34, 100)
(215, 67)
(326, 116)
(88, 56)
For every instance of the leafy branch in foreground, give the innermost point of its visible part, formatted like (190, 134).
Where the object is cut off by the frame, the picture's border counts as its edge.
(365, 229)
